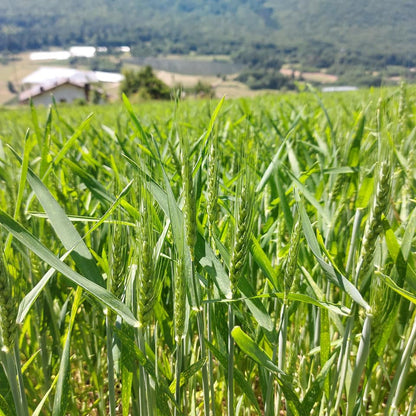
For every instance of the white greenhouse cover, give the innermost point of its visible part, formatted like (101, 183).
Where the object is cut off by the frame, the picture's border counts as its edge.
(48, 74)
(50, 55)
(83, 51)
(108, 76)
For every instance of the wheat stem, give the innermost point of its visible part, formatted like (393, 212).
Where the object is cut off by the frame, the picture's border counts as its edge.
(10, 354)
(230, 377)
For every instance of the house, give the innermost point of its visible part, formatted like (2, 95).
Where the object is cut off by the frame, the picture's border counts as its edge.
(65, 84)
(63, 91)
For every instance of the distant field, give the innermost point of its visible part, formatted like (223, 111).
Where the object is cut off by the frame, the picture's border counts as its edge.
(16, 70)
(202, 68)
(174, 70)
(189, 65)
(320, 77)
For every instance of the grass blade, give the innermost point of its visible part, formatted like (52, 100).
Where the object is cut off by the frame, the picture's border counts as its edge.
(61, 398)
(64, 229)
(33, 244)
(260, 357)
(335, 277)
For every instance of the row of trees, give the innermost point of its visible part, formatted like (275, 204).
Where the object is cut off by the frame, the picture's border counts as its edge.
(253, 30)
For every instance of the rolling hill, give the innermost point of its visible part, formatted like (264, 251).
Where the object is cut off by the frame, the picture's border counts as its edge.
(334, 30)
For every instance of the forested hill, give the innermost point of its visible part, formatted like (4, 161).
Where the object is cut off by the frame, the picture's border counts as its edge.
(353, 29)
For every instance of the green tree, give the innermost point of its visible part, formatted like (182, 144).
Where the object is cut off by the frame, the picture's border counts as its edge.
(144, 83)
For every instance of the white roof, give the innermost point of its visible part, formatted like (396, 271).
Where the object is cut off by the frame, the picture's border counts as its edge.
(108, 76)
(50, 74)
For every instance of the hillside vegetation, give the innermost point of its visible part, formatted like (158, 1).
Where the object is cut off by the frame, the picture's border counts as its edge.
(319, 33)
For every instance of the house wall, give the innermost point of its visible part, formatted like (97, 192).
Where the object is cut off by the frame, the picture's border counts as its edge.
(64, 93)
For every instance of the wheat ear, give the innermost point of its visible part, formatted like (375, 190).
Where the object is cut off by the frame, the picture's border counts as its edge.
(8, 307)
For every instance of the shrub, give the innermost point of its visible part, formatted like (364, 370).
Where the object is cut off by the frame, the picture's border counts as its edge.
(145, 83)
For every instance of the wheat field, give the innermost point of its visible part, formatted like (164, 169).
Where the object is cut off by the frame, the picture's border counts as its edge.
(229, 257)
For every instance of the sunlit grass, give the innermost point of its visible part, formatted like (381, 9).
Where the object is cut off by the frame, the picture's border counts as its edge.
(232, 257)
